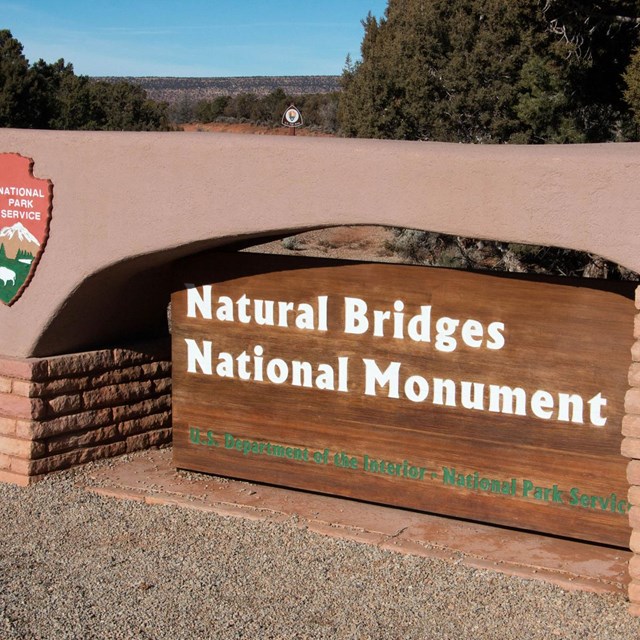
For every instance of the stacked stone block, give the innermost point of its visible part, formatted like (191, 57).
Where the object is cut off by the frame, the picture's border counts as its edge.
(62, 411)
(631, 449)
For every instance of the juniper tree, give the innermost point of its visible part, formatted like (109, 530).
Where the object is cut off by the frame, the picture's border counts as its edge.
(491, 71)
(14, 82)
(52, 96)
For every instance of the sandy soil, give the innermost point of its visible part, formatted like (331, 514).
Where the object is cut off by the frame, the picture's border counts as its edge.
(249, 128)
(346, 243)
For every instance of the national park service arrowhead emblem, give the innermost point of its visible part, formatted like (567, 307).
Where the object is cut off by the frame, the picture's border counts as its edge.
(292, 117)
(25, 212)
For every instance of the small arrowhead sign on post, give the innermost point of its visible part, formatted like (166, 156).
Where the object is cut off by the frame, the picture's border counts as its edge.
(292, 118)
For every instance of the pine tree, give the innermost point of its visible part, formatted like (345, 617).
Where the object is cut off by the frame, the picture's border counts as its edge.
(23, 254)
(52, 96)
(15, 83)
(526, 71)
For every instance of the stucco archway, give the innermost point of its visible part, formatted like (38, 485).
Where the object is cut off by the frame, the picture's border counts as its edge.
(126, 204)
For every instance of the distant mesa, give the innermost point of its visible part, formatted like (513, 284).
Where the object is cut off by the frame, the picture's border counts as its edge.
(175, 90)
(18, 238)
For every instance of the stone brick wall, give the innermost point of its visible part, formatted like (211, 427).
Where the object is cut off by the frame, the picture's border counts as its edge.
(62, 411)
(631, 449)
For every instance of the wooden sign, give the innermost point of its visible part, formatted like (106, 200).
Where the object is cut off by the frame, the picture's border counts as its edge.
(25, 212)
(489, 397)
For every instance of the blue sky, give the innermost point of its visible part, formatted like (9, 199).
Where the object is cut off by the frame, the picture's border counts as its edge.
(191, 37)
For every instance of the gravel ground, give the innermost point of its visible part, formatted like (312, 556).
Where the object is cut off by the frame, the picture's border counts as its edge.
(77, 565)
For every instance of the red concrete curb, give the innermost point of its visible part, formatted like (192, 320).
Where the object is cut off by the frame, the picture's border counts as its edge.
(150, 477)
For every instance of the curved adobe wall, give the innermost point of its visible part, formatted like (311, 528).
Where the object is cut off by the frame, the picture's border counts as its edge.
(127, 204)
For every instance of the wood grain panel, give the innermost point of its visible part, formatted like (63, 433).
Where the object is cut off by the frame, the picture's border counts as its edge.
(562, 474)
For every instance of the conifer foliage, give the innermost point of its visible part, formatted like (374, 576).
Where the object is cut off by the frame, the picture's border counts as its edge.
(520, 71)
(52, 96)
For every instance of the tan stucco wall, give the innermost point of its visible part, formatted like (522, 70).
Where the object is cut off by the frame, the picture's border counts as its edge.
(127, 204)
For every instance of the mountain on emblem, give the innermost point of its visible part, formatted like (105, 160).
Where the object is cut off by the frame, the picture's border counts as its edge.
(25, 212)
(18, 238)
